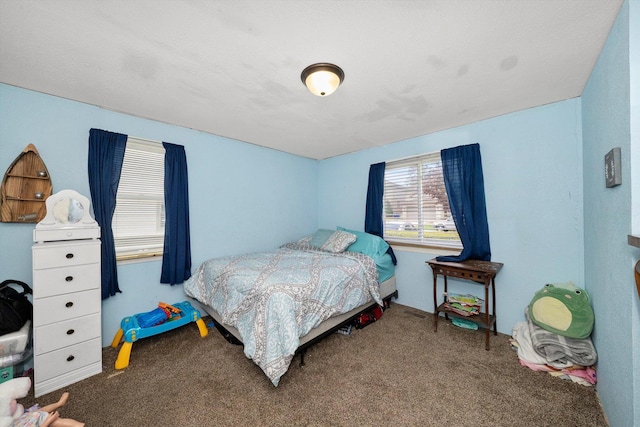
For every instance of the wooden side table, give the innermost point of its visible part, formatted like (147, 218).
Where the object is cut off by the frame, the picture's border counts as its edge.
(482, 272)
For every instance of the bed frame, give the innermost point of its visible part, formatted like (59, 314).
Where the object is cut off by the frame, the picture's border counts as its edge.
(388, 291)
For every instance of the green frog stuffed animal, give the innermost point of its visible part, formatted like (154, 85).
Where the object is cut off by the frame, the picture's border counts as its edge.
(564, 309)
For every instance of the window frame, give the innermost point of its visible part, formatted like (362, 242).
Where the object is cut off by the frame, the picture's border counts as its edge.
(151, 246)
(450, 244)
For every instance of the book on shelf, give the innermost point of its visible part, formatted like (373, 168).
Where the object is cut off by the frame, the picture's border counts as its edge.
(466, 299)
(452, 308)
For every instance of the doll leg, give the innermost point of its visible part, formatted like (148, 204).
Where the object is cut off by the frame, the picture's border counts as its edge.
(50, 419)
(53, 406)
(54, 420)
(66, 422)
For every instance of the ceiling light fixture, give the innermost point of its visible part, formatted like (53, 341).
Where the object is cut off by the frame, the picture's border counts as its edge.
(322, 79)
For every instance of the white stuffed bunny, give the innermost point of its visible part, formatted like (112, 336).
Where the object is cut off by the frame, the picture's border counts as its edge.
(11, 390)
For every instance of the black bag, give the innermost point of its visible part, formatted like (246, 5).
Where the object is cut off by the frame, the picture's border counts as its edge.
(15, 308)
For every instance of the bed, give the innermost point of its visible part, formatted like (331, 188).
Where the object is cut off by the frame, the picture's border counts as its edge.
(278, 303)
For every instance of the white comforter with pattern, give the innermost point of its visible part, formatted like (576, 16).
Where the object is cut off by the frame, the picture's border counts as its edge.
(274, 298)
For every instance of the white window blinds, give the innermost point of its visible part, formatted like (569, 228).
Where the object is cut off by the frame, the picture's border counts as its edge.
(138, 221)
(416, 206)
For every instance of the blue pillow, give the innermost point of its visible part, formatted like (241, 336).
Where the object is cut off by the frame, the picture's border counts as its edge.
(368, 244)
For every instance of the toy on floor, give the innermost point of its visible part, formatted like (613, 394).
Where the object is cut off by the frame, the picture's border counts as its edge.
(162, 319)
(564, 309)
(10, 391)
(13, 414)
(163, 313)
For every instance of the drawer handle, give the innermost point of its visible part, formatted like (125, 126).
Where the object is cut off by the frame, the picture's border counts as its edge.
(70, 358)
(69, 304)
(70, 332)
(69, 256)
(68, 278)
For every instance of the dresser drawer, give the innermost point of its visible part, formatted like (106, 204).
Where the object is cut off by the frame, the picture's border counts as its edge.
(57, 281)
(67, 359)
(66, 333)
(65, 307)
(55, 255)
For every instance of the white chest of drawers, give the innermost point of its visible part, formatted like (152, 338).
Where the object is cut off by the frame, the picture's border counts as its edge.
(67, 305)
(66, 313)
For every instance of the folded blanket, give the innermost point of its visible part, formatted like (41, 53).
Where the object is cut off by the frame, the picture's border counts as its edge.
(527, 354)
(558, 348)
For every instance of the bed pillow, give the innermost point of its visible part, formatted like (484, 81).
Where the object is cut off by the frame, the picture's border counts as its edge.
(368, 244)
(332, 241)
(305, 240)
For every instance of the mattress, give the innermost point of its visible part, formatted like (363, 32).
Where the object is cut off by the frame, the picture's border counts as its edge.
(387, 289)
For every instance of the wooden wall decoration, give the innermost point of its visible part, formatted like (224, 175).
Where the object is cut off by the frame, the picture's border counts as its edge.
(25, 187)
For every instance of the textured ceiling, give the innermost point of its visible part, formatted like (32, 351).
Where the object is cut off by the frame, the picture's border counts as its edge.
(232, 68)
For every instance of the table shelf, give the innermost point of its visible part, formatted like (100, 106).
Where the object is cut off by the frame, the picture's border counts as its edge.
(475, 271)
(478, 319)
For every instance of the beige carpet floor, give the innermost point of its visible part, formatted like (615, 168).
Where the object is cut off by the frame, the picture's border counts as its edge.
(395, 372)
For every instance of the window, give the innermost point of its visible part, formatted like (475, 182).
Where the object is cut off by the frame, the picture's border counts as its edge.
(138, 221)
(416, 206)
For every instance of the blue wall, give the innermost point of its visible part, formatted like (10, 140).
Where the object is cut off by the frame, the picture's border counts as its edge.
(243, 198)
(532, 162)
(634, 73)
(609, 259)
(550, 217)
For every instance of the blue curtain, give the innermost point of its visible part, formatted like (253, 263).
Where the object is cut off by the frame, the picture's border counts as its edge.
(464, 181)
(106, 153)
(176, 258)
(373, 223)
